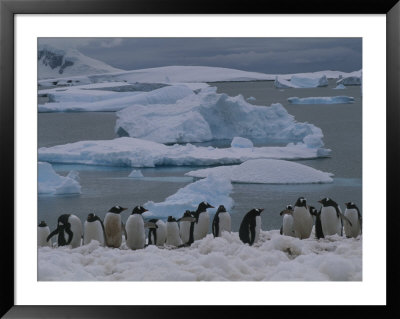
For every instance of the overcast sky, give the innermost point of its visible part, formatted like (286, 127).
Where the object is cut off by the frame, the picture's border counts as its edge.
(266, 55)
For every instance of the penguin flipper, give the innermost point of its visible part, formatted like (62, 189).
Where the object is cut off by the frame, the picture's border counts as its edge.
(69, 232)
(281, 230)
(54, 232)
(124, 230)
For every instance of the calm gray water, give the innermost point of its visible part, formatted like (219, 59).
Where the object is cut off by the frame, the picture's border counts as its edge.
(104, 187)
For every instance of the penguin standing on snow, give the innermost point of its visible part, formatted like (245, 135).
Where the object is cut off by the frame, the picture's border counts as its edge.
(202, 222)
(136, 236)
(113, 226)
(221, 221)
(42, 233)
(332, 217)
(93, 230)
(158, 234)
(185, 223)
(69, 230)
(250, 227)
(302, 219)
(173, 238)
(353, 214)
(318, 226)
(287, 222)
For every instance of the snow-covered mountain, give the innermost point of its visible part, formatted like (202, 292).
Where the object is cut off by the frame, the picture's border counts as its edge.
(56, 63)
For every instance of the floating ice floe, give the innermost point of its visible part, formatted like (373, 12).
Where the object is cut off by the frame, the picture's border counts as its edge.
(49, 182)
(210, 116)
(226, 258)
(322, 100)
(78, 100)
(213, 189)
(133, 152)
(339, 87)
(297, 81)
(251, 98)
(266, 171)
(136, 174)
(350, 80)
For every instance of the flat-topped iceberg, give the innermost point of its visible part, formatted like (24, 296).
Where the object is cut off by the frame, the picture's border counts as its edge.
(210, 116)
(266, 171)
(133, 152)
(301, 81)
(49, 182)
(322, 100)
(350, 80)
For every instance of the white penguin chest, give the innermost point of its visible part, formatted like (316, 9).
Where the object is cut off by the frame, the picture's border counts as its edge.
(93, 231)
(258, 228)
(287, 225)
(224, 222)
(330, 222)
(42, 234)
(173, 237)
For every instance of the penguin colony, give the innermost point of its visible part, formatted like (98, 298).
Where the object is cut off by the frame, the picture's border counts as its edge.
(297, 221)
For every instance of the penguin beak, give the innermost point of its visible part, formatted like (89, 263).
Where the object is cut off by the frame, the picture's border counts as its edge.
(211, 206)
(123, 208)
(261, 210)
(320, 201)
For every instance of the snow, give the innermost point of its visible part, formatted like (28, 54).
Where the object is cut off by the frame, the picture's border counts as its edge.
(79, 100)
(322, 100)
(273, 258)
(350, 80)
(301, 81)
(213, 189)
(136, 174)
(133, 152)
(210, 116)
(241, 142)
(49, 182)
(266, 171)
(339, 87)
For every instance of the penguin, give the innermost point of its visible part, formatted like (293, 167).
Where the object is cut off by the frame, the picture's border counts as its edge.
(173, 238)
(158, 234)
(93, 230)
(184, 226)
(250, 227)
(221, 221)
(331, 217)
(287, 222)
(113, 226)
(318, 227)
(69, 230)
(42, 233)
(136, 236)
(302, 219)
(201, 225)
(353, 214)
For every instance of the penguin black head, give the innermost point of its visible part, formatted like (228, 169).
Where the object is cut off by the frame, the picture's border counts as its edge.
(255, 211)
(139, 210)
(289, 207)
(117, 209)
(221, 209)
(171, 219)
(326, 202)
(350, 205)
(286, 211)
(203, 206)
(312, 210)
(301, 202)
(91, 217)
(187, 213)
(63, 220)
(42, 224)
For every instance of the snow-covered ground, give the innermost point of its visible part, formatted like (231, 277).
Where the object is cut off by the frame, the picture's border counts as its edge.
(322, 100)
(273, 258)
(49, 182)
(267, 171)
(133, 152)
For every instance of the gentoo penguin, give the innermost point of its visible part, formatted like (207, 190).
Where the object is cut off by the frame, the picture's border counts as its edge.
(250, 227)
(353, 214)
(113, 226)
(331, 217)
(173, 238)
(69, 230)
(287, 222)
(93, 230)
(302, 219)
(136, 236)
(184, 226)
(202, 222)
(318, 227)
(42, 233)
(221, 221)
(158, 234)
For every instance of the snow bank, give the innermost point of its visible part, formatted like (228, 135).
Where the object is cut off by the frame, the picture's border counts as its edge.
(339, 87)
(350, 80)
(108, 101)
(213, 189)
(273, 258)
(210, 116)
(322, 100)
(133, 152)
(49, 182)
(267, 171)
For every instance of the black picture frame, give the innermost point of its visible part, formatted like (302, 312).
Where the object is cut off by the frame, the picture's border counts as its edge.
(8, 10)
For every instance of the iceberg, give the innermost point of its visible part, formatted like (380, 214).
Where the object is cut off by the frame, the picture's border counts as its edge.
(350, 80)
(136, 174)
(339, 87)
(213, 189)
(266, 171)
(210, 116)
(281, 83)
(241, 142)
(297, 81)
(322, 100)
(49, 182)
(133, 152)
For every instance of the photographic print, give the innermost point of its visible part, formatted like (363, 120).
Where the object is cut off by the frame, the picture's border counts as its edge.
(199, 159)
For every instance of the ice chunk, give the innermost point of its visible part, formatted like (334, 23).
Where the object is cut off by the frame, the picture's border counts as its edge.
(241, 142)
(350, 80)
(281, 83)
(309, 82)
(136, 174)
(49, 182)
(251, 98)
(267, 171)
(340, 87)
(322, 100)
